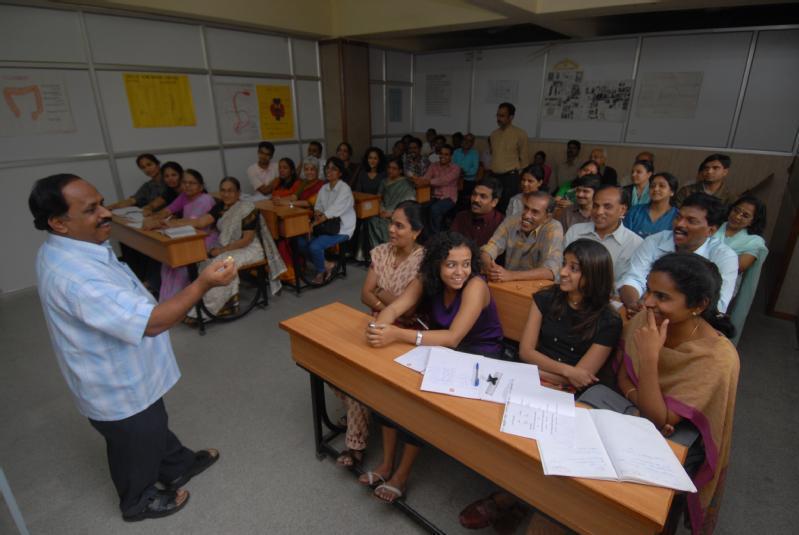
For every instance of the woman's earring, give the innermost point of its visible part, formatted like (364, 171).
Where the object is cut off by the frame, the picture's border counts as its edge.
(693, 313)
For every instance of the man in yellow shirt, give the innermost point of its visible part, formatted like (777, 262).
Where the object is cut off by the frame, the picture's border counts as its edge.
(509, 153)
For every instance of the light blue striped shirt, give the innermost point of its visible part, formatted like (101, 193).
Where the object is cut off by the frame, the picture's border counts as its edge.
(97, 311)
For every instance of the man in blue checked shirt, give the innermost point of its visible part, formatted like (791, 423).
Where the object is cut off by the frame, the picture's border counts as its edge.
(111, 341)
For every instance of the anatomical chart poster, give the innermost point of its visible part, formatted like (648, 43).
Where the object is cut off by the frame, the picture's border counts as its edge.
(34, 104)
(237, 106)
(275, 111)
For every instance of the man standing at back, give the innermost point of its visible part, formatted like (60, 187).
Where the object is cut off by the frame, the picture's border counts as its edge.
(111, 341)
(509, 153)
(566, 171)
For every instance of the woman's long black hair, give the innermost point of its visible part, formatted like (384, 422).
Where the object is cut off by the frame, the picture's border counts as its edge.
(596, 287)
(699, 280)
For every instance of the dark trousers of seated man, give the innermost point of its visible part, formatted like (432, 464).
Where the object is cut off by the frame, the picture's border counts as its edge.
(438, 211)
(511, 185)
(142, 451)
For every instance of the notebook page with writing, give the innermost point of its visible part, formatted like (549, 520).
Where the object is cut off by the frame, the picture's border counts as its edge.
(452, 372)
(415, 359)
(585, 458)
(639, 452)
(534, 411)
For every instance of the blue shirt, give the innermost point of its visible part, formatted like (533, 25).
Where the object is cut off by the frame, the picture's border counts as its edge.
(96, 311)
(637, 220)
(468, 161)
(662, 243)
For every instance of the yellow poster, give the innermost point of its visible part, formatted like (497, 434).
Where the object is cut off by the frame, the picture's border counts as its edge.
(159, 100)
(274, 108)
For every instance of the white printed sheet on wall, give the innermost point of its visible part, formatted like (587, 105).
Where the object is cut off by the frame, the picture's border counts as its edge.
(35, 104)
(237, 105)
(671, 95)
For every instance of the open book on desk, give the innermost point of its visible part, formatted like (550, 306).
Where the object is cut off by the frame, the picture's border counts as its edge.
(615, 447)
(535, 411)
(471, 376)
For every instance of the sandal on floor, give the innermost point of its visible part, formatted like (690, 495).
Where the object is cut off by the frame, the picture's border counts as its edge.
(480, 514)
(163, 503)
(203, 460)
(395, 493)
(373, 479)
(350, 458)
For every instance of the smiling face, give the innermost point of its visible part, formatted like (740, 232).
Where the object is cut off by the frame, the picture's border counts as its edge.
(570, 273)
(444, 156)
(400, 233)
(534, 213)
(190, 185)
(343, 153)
(172, 178)
(310, 171)
(414, 149)
(529, 183)
(741, 216)
(583, 196)
(468, 142)
(607, 209)
(640, 175)
(149, 167)
(483, 200)
(333, 174)
(591, 168)
(659, 189)
(691, 228)
(315, 150)
(666, 301)
(456, 268)
(572, 150)
(393, 170)
(86, 219)
(229, 193)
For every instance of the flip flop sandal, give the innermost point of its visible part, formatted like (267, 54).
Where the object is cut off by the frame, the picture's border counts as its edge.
(396, 493)
(373, 479)
(163, 503)
(202, 461)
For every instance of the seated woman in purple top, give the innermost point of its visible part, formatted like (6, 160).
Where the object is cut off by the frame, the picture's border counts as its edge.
(462, 315)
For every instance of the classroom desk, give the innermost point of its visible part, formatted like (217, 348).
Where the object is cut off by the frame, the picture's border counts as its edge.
(366, 204)
(423, 194)
(174, 252)
(329, 343)
(513, 300)
(285, 222)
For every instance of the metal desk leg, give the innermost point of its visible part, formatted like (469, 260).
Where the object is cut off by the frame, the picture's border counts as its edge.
(193, 274)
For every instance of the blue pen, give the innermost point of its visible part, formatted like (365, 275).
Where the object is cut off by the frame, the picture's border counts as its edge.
(476, 376)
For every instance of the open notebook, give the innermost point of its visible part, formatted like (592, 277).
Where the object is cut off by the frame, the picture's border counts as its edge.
(615, 447)
(469, 376)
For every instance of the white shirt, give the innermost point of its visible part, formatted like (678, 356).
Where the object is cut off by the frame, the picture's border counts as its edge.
(338, 202)
(621, 244)
(261, 177)
(662, 243)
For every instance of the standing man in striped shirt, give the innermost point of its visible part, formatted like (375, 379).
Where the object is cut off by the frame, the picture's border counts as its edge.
(509, 153)
(110, 339)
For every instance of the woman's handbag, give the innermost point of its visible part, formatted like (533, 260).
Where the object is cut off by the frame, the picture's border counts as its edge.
(331, 227)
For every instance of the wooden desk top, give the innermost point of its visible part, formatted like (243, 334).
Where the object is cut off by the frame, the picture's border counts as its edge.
(513, 300)
(175, 252)
(360, 196)
(330, 342)
(282, 211)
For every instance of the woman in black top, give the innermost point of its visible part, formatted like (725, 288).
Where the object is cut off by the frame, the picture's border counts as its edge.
(572, 329)
(372, 171)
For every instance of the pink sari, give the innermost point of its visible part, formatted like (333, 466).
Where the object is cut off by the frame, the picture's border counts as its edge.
(174, 280)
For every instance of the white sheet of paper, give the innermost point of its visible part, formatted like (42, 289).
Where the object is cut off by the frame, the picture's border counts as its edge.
(539, 412)
(639, 452)
(585, 458)
(132, 212)
(507, 374)
(451, 372)
(415, 359)
(179, 232)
